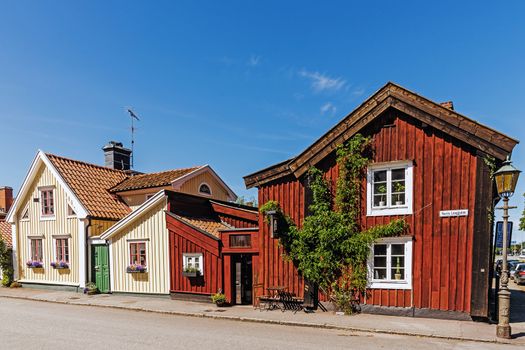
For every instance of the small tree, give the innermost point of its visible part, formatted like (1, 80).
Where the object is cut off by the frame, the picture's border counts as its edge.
(6, 263)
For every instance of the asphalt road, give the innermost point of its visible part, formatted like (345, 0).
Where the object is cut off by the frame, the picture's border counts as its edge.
(39, 325)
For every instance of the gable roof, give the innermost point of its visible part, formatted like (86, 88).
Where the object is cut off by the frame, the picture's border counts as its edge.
(90, 184)
(394, 96)
(5, 233)
(159, 179)
(207, 224)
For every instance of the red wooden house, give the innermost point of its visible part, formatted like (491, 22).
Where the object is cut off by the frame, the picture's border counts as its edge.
(429, 168)
(213, 246)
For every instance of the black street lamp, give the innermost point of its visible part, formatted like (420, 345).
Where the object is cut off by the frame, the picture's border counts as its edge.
(506, 178)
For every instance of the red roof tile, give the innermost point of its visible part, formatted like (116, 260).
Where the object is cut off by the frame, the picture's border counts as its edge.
(5, 233)
(90, 183)
(160, 179)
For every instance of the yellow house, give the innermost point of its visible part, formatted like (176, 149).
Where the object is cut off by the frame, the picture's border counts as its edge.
(65, 205)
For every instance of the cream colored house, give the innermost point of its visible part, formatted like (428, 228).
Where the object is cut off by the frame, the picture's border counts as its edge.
(64, 206)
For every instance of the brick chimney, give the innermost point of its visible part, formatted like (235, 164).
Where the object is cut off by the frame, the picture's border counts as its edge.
(6, 200)
(448, 105)
(116, 156)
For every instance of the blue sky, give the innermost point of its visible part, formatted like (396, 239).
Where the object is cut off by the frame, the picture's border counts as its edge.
(241, 84)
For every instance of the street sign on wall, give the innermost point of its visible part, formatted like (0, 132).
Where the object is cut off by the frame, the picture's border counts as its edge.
(499, 234)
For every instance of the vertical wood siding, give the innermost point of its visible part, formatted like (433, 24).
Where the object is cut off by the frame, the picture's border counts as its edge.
(99, 226)
(273, 270)
(444, 179)
(33, 226)
(151, 226)
(184, 239)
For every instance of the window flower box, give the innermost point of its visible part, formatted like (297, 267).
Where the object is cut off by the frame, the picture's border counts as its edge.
(59, 265)
(136, 268)
(191, 272)
(34, 264)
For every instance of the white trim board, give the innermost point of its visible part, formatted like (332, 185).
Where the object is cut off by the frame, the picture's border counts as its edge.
(177, 183)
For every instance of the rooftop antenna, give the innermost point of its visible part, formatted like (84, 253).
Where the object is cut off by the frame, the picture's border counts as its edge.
(132, 116)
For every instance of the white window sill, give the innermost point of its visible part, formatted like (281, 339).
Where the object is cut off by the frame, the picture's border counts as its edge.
(389, 211)
(47, 218)
(382, 284)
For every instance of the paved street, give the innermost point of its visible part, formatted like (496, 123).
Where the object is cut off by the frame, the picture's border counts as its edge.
(41, 325)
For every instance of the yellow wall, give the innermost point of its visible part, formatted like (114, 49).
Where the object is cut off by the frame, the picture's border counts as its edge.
(217, 190)
(99, 226)
(150, 226)
(35, 226)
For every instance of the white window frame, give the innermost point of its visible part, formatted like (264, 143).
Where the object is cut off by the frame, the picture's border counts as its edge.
(41, 203)
(202, 193)
(389, 209)
(132, 241)
(405, 283)
(185, 257)
(55, 255)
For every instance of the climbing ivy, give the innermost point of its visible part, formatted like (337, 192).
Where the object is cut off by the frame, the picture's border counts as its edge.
(330, 249)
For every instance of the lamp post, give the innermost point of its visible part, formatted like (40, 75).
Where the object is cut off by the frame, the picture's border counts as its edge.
(506, 178)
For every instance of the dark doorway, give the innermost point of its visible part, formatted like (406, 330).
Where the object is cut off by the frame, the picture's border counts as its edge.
(242, 279)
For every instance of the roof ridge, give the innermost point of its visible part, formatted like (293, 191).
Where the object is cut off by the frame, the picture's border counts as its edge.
(86, 163)
(167, 171)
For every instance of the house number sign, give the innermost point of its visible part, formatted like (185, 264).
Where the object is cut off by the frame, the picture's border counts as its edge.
(453, 213)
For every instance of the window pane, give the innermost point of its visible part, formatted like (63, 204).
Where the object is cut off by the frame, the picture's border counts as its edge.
(401, 272)
(380, 176)
(398, 198)
(398, 174)
(398, 249)
(397, 261)
(379, 249)
(380, 274)
(380, 261)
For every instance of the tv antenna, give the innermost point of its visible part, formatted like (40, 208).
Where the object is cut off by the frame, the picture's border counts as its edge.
(132, 116)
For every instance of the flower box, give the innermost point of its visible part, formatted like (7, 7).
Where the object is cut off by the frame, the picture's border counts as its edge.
(34, 264)
(135, 268)
(60, 265)
(191, 273)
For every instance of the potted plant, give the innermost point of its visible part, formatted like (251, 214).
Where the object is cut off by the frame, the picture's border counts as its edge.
(399, 187)
(136, 268)
(33, 264)
(190, 271)
(381, 189)
(59, 265)
(397, 275)
(91, 288)
(219, 299)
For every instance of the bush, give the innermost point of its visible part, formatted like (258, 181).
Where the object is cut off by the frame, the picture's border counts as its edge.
(218, 298)
(6, 264)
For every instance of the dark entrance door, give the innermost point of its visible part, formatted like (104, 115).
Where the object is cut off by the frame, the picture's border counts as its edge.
(242, 278)
(100, 263)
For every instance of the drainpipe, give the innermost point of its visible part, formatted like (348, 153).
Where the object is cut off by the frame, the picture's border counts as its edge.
(86, 249)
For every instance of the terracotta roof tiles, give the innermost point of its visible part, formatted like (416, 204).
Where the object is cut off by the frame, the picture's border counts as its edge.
(206, 224)
(90, 183)
(5, 233)
(164, 178)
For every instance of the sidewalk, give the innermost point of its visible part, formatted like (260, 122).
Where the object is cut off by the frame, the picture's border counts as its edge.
(447, 329)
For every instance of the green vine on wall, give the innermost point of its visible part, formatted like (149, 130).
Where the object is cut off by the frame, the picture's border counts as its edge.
(330, 249)
(6, 264)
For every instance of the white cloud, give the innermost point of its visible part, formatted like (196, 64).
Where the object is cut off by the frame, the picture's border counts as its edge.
(328, 107)
(322, 82)
(254, 60)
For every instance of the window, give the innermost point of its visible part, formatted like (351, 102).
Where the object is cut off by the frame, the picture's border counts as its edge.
(62, 249)
(193, 261)
(25, 215)
(240, 241)
(389, 189)
(205, 189)
(46, 199)
(70, 211)
(390, 263)
(137, 253)
(36, 249)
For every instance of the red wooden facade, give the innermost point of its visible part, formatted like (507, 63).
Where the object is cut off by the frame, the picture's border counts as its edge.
(219, 231)
(450, 255)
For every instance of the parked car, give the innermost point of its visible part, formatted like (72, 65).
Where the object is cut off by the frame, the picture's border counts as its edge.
(499, 263)
(519, 274)
(512, 268)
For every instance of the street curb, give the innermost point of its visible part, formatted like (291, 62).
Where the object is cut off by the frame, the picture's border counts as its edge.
(266, 321)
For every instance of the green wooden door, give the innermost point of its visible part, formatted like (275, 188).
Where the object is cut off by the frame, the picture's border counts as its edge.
(100, 259)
